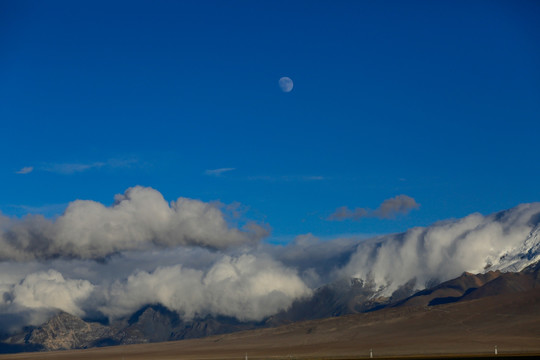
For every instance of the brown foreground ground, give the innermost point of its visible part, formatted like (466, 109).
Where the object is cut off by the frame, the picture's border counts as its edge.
(458, 330)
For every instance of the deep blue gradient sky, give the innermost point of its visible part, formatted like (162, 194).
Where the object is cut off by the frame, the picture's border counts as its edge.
(436, 100)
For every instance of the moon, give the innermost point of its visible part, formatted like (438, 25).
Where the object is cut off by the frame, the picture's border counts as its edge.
(286, 84)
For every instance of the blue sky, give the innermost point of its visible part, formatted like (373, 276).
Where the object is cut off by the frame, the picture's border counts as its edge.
(438, 101)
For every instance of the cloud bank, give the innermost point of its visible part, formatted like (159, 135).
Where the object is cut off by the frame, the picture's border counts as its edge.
(399, 205)
(185, 256)
(139, 219)
(245, 287)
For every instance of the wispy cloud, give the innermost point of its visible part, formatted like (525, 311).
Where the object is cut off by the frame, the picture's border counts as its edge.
(218, 172)
(72, 168)
(286, 178)
(25, 170)
(311, 178)
(389, 208)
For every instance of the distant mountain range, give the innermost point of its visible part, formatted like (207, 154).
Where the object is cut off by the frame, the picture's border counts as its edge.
(155, 323)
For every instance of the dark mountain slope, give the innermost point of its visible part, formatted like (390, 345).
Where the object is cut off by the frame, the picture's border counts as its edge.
(470, 286)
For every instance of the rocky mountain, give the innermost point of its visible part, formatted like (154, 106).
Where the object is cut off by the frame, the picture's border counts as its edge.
(152, 323)
(155, 323)
(63, 331)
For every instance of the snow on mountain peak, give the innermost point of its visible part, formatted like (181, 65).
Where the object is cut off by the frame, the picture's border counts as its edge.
(518, 258)
(507, 241)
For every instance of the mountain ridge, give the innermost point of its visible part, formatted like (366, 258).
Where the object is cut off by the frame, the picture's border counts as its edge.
(156, 323)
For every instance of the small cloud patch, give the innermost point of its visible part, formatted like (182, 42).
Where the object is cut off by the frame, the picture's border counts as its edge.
(218, 172)
(389, 209)
(25, 170)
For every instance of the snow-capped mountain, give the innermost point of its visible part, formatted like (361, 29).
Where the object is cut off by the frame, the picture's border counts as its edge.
(520, 257)
(507, 241)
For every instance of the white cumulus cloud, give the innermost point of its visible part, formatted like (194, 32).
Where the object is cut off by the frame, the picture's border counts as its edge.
(50, 290)
(139, 219)
(245, 287)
